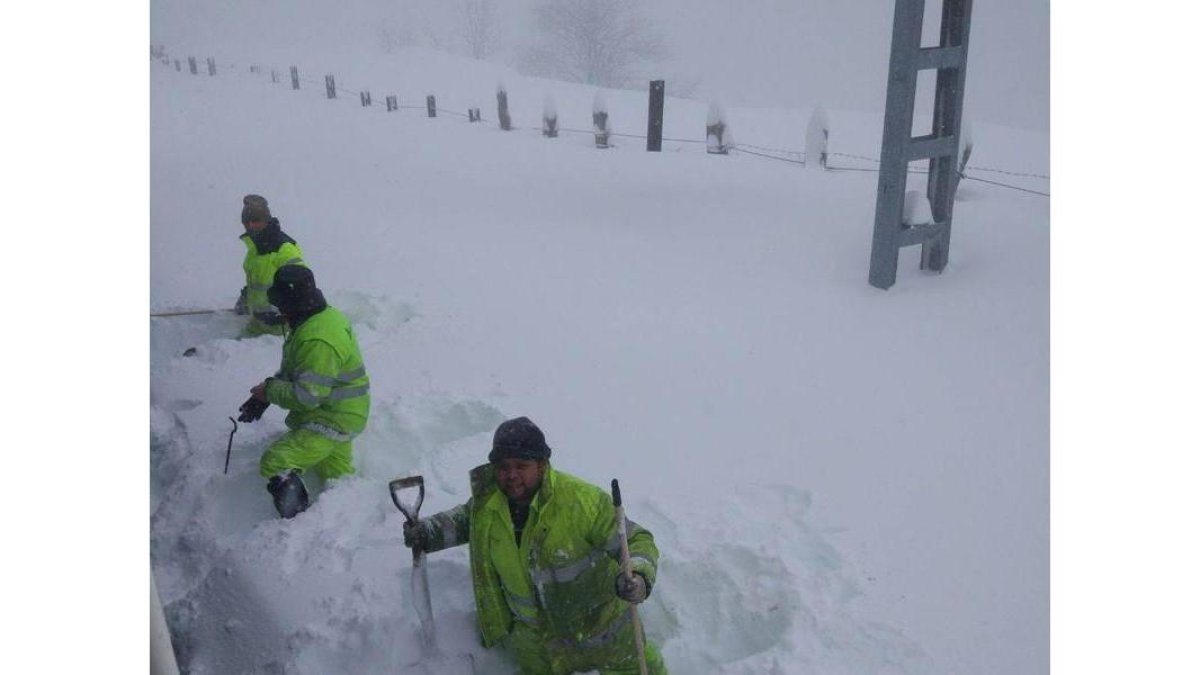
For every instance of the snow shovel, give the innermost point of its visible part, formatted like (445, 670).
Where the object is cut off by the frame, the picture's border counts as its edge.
(627, 570)
(420, 582)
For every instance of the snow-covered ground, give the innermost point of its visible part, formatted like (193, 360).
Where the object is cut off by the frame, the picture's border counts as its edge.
(840, 479)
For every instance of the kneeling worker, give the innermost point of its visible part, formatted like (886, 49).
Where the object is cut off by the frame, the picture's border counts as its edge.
(268, 248)
(544, 561)
(323, 385)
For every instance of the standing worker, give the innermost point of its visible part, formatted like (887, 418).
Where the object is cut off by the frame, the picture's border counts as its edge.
(545, 561)
(268, 248)
(323, 385)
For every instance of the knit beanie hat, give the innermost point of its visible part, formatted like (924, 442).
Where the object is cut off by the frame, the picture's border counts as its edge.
(254, 209)
(518, 438)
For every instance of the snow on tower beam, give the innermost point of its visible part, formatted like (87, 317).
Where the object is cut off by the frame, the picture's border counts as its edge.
(940, 147)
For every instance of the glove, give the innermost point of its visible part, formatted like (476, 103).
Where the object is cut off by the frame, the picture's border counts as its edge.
(269, 318)
(240, 306)
(632, 589)
(416, 535)
(252, 409)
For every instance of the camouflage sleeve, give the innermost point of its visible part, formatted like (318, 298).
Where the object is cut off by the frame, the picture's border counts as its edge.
(643, 552)
(448, 529)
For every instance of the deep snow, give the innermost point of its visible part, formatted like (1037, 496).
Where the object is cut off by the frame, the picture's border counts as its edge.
(841, 480)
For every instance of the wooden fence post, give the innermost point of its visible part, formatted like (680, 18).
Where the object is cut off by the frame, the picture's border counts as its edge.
(600, 119)
(816, 140)
(192, 65)
(212, 66)
(274, 76)
(431, 105)
(330, 87)
(654, 131)
(365, 98)
(178, 68)
(716, 131)
(502, 108)
(549, 118)
(391, 103)
(295, 78)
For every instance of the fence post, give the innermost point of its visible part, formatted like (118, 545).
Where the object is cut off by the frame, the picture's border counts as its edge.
(600, 119)
(212, 66)
(502, 108)
(178, 68)
(654, 129)
(716, 131)
(431, 105)
(365, 98)
(295, 78)
(816, 139)
(192, 65)
(330, 87)
(473, 114)
(966, 143)
(549, 118)
(391, 103)
(274, 76)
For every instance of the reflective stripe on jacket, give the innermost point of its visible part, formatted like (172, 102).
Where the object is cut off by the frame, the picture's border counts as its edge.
(560, 579)
(322, 380)
(261, 263)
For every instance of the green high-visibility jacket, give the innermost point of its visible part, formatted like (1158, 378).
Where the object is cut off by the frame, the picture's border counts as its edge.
(322, 381)
(560, 579)
(266, 252)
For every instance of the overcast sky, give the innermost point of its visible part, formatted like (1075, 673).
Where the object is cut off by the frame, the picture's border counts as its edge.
(761, 53)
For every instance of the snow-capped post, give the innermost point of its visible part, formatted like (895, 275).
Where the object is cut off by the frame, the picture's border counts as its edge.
(212, 66)
(965, 143)
(178, 68)
(431, 106)
(192, 65)
(716, 130)
(274, 76)
(549, 118)
(600, 119)
(658, 90)
(816, 140)
(473, 115)
(330, 87)
(391, 103)
(502, 108)
(364, 97)
(295, 78)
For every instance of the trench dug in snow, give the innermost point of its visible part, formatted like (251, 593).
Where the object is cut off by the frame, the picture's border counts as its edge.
(746, 584)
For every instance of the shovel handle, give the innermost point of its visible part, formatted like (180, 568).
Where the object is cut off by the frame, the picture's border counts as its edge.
(395, 486)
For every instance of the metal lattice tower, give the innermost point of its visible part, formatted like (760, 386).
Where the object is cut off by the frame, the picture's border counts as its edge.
(940, 147)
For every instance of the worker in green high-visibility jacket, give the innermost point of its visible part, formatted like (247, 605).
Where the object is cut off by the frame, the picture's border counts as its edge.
(545, 561)
(323, 385)
(268, 248)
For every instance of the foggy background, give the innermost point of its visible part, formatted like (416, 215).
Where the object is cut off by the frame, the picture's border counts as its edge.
(748, 53)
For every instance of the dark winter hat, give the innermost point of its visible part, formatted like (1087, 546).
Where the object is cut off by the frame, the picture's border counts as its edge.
(518, 438)
(254, 209)
(294, 289)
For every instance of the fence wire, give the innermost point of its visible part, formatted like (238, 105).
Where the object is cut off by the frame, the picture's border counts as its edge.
(769, 153)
